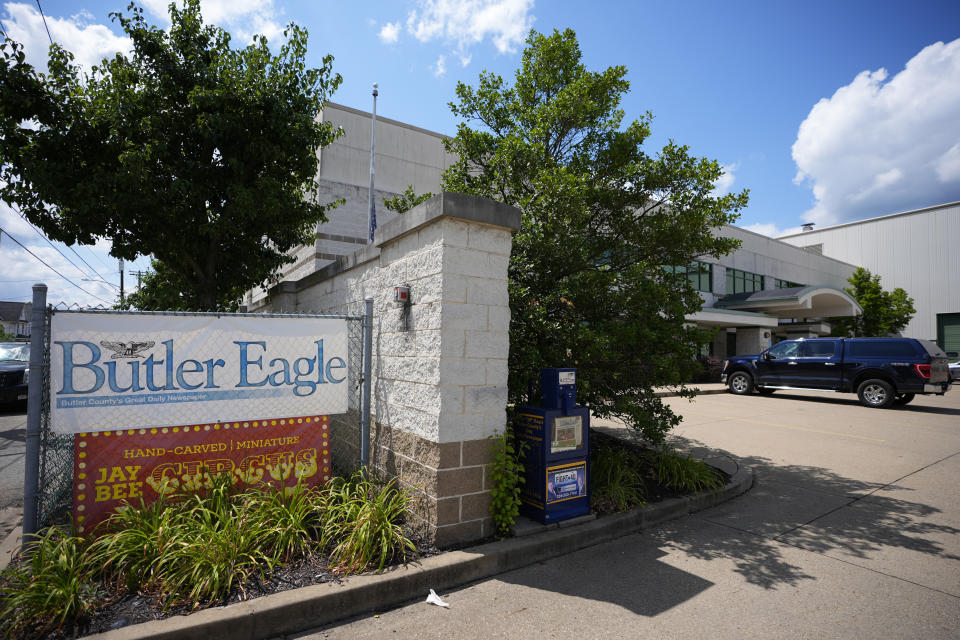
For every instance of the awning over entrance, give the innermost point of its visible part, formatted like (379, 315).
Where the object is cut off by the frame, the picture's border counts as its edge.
(796, 302)
(711, 317)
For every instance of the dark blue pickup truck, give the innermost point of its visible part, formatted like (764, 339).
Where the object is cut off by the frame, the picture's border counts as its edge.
(881, 371)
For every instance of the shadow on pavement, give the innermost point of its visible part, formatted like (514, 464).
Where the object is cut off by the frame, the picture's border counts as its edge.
(627, 572)
(851, 400)
(861, 524)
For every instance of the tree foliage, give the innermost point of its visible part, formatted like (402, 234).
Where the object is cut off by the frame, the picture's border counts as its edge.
(884, 312)
(198, 154)
(162, 289)
(601, 219)
(406, 200)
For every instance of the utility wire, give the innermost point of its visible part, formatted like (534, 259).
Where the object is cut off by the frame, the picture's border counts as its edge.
(52, 269)
(89, 265)
(44, 21)
(55, 248)
(3, 28)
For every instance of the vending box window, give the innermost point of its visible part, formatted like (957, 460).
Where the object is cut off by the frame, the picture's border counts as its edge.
(557, 459)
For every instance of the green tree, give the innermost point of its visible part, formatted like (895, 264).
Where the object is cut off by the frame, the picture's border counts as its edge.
(884, 312)
(198, 154)
(161, 289)
(601, 219)
(406, 200)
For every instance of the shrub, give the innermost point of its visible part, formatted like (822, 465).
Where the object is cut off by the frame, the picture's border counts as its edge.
(683, 473)
(53, 588)
(506, 479)
(616, 478)
(363, 523)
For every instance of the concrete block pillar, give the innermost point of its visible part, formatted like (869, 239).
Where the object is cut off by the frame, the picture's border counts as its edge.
(440, 365)
(753, 339)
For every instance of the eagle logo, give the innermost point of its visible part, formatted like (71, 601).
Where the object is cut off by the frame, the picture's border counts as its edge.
(127, 349)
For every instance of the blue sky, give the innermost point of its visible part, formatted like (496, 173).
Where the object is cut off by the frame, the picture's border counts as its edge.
(826, 111)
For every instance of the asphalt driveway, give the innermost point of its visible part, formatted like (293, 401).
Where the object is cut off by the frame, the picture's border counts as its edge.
(852, 530)
(13, 429)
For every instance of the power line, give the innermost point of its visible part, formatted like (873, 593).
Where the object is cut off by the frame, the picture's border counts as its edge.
(4, 28)
(88, 264)
(55, 248)
(44, 21)
(42, 261)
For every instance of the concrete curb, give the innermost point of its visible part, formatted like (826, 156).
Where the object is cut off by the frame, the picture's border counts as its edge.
(310, 607)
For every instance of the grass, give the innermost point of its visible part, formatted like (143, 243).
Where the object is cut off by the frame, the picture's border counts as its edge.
(198, 548)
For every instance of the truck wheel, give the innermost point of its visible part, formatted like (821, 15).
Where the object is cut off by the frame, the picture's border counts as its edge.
(904, 398)
(877, 394)
(740, 383)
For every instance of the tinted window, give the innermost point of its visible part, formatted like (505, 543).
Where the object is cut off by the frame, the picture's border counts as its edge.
(817, 348)
(934, 349)
(784, 350)
(881, 349)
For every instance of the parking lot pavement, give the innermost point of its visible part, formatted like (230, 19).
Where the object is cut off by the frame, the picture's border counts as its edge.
(13, 429)
(852, 530)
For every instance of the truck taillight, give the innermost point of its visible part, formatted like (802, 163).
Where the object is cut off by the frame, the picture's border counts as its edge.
(923, 370)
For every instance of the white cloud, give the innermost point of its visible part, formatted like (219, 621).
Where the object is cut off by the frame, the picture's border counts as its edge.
(948, 165)
(89, 43)
(465, 23)
(769, 229)
(21, 270)
(882, 145)
(725, 182)
(390, 33)
(242, 18)
(440, 68)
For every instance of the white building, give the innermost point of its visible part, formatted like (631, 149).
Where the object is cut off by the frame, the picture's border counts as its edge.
(406, 155)
(768, 289)
(918, 251)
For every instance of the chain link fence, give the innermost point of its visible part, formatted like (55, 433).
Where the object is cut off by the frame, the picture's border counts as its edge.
(56, 450)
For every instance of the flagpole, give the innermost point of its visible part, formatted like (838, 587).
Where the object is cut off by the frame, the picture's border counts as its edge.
(372, 214)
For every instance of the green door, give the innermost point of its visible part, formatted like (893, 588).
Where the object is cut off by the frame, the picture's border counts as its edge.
(948, 331)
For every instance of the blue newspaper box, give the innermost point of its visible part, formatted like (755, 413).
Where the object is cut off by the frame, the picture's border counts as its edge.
(557, 457)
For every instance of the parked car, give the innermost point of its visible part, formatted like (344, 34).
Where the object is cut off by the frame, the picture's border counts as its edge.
(954, 371)
(14, 371)
(881, 371)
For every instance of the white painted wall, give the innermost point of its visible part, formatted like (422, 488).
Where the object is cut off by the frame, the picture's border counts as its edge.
(918, 251)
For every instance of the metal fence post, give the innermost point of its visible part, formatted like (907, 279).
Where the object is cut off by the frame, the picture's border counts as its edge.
(38, 372)
(367, 380)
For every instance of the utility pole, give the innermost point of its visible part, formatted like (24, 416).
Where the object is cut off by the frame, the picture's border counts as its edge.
(139, 275)
(121, 281)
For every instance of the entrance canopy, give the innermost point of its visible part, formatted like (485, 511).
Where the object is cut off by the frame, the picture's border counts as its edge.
(796, 302)
(712, 317)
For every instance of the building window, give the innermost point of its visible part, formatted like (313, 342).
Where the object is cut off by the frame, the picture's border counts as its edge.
(700, 275)
(743, 281)
(785, 284)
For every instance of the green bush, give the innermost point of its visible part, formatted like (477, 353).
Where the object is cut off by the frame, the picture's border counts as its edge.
(683, 473)
(54, 588)
(363, 523)
(616, 478)
(196, 548)
(506, 480)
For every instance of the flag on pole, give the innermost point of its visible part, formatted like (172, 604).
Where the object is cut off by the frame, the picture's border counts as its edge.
(372, 216)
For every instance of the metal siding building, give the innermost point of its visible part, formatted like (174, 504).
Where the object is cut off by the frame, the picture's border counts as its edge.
(918, 251)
